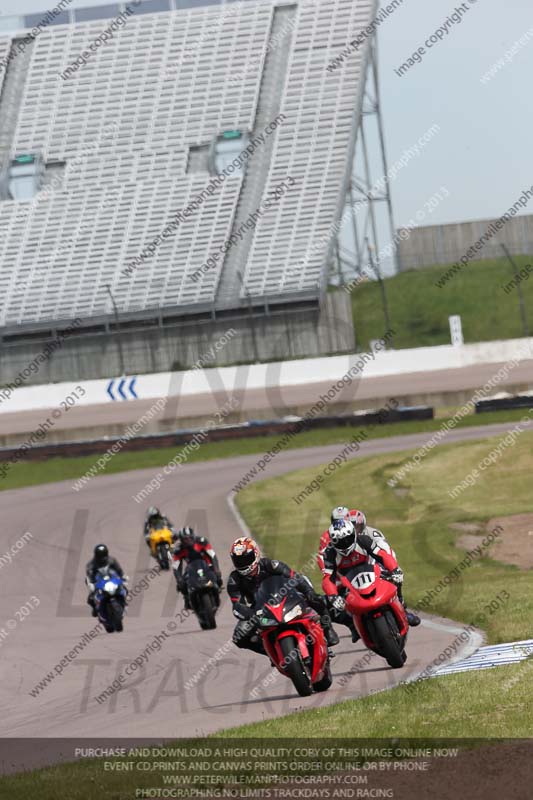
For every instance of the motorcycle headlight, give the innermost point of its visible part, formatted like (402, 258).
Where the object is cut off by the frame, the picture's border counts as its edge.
(110, 587)
(266, 622)
(294, 612)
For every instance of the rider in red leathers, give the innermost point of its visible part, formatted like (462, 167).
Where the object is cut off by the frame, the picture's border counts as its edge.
(340, 512)
(348, 545)
(189, 546)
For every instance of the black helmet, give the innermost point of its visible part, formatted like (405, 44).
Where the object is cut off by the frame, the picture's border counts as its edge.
(187, 535)
(153, 512)
(101, 554)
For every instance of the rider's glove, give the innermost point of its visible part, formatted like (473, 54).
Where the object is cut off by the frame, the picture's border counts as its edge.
(396, 576)
(337, 602)
(220, 582)
(91, 587)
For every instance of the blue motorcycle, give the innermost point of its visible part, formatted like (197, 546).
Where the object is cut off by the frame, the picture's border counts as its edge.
(110, 600)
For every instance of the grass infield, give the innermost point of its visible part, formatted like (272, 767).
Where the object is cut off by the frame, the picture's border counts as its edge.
(32, 473)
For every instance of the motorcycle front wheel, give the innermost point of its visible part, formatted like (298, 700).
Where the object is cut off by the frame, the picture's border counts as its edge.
(115, 613)
(294, 666)
(387, 638)
(206, 612)
(162, 557)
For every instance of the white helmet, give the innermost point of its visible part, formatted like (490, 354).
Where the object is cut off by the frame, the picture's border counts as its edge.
(339, 513)
(342, 536)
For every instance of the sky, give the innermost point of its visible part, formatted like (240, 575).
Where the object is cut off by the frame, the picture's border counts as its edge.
(482, 154)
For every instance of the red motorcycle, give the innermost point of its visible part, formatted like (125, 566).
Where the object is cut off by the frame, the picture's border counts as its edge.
(377, 612)
(292, 636)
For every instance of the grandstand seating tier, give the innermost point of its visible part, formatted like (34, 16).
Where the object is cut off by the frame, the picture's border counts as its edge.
(118, 131)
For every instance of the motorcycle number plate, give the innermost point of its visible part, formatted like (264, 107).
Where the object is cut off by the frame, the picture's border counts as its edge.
(363, 580)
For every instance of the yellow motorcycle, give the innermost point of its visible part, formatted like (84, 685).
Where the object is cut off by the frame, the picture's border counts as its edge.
(161, 544)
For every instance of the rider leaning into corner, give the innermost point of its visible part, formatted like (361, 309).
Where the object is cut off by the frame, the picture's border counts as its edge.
(347, 543)
(249, 573)
(101, 559)
(188, 547)
(155, 517)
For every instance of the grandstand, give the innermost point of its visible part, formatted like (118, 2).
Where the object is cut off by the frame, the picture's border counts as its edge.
(125, 140)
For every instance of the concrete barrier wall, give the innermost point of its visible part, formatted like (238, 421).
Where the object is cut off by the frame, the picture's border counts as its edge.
(446, 244)
(233, 339)
(276, 374)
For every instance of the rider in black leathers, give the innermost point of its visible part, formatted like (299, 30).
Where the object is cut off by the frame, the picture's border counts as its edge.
(249, 573)
(101, 558)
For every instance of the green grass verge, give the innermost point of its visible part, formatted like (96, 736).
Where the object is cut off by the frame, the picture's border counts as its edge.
(498, 703)
(419, 310)
(31, 473)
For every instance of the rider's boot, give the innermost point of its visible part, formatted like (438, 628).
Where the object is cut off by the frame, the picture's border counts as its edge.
(90, 602)
(353, 631)
(412, 619)
(331, 635)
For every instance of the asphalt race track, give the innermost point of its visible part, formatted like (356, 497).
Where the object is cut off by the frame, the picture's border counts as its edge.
(154, 701)
(274, 402)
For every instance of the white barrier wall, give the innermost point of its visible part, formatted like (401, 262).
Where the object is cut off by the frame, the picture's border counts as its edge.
(288, 373)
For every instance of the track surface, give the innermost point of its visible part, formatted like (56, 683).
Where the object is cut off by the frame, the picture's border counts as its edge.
(154, 702)
(274, 400)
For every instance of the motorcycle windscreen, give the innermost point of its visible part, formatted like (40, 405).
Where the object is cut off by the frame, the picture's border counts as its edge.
(274, 590)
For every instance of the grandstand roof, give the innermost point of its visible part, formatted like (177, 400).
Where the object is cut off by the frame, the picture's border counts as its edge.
(117, 133)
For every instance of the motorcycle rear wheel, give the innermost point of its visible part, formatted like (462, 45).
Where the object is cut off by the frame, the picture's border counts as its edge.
(294, 667)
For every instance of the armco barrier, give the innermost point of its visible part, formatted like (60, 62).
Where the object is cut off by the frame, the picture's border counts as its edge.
(504, 403)
(245, 430)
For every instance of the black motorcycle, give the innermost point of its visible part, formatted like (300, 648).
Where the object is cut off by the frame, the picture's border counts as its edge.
(203, 592)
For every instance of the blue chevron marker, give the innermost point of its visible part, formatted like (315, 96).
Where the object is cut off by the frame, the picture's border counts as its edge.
(125, 388)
